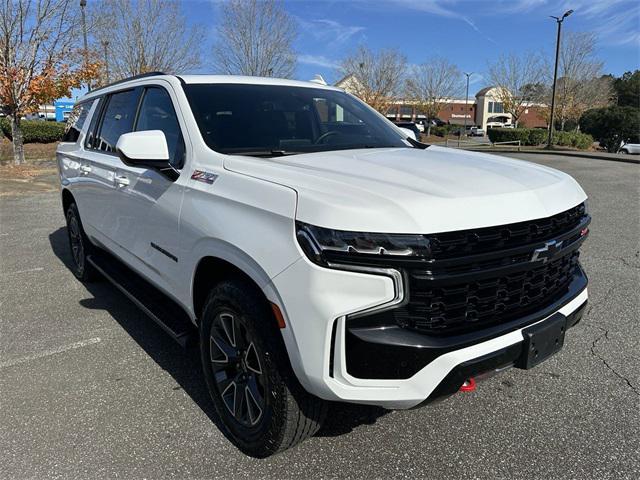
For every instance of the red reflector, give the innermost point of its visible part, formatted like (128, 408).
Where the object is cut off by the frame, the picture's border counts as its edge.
(584, 231)
(278, 314)
(469, 385)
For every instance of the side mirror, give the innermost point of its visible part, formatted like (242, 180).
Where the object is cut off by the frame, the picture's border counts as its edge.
(144, 149)
(408, 133)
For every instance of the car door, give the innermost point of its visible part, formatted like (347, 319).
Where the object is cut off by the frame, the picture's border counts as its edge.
(116, 116)
(148, 201)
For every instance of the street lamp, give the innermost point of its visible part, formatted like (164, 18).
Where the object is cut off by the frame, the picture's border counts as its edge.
(83, 4)
(466, 102)
(555, 75)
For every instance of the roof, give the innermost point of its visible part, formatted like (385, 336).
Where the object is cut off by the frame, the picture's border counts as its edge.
(484, 91)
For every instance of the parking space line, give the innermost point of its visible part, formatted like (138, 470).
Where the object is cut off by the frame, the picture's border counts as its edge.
(48, 353)
(28, 270)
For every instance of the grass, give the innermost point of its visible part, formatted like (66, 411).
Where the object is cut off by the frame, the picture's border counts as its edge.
(33, 152)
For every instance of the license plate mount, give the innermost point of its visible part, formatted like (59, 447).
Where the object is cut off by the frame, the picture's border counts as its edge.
(542, 340)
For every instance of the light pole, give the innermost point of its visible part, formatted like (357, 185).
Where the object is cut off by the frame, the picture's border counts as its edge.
(83, 4)
(466, 107)
(555, 75)
(105, 44)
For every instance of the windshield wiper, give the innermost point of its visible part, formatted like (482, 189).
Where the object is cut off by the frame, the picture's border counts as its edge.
(417, 144)
(264, 153)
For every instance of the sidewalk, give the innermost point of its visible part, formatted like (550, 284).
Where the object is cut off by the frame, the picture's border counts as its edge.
(614, 157)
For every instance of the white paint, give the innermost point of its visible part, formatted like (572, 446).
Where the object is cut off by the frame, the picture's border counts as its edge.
(28, 270)
(48, 353)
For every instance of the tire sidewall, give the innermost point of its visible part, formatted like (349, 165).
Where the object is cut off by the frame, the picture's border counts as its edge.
(72, 214)
(232, 297)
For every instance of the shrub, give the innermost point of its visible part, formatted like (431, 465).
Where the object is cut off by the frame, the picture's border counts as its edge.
(527, 136)
(444, 130)
(35, 131)
(612, 125)
(578, 140)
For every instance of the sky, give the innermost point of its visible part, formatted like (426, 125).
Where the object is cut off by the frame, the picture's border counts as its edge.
(469, 33)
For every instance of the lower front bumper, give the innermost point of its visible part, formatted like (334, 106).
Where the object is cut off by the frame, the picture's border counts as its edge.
(444, 374)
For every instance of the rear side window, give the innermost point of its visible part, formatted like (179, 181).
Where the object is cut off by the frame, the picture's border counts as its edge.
(117, 119)
(157, 113)
(76, 121)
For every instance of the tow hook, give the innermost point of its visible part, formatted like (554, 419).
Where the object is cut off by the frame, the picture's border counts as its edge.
(469, 385)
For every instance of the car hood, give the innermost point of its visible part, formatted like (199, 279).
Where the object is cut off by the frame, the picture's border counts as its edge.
(409, 190)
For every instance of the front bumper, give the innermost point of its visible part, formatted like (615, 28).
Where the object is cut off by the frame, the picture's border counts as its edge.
(391, 367)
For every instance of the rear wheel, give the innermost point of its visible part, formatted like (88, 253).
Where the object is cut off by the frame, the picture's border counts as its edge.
(262, 407)
(80, 246)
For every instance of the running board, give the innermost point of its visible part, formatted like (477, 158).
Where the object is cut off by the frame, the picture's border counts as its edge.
(170, 316)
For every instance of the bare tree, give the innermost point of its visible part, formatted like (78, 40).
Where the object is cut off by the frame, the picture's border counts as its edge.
(432, 84)
(513, 75)
(581, 83)
(375, 77)
(139, 36)
(255, 38)
(38, 62)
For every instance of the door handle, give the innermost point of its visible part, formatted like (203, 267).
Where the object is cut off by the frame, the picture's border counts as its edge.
(86, 169)
(121, 180)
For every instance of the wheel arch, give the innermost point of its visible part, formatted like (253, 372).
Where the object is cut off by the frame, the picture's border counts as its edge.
(67, 199)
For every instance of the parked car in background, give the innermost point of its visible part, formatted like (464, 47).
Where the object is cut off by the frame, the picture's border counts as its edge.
(409, 126)
(630, 148)
(476, 132)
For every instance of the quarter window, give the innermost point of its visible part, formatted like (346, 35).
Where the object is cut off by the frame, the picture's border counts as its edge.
(76, 121)
(157, 113)
(117, 119)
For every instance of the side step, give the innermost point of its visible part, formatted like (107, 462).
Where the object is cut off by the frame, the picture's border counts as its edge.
(170, 316)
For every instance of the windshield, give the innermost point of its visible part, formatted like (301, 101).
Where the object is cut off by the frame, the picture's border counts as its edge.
(268, 120)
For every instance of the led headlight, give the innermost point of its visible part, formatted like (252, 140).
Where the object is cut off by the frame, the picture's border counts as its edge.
(325, 246)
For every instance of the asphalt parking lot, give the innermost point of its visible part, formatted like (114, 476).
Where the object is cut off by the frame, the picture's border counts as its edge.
(91, 388)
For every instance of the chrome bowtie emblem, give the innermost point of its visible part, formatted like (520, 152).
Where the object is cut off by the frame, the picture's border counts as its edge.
(548, 251)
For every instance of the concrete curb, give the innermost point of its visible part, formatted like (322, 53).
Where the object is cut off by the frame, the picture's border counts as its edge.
(566, 153)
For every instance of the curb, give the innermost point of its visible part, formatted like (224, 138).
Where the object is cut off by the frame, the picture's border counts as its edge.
(565, 153)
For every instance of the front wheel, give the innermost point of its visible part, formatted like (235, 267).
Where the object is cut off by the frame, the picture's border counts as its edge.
(262, 407)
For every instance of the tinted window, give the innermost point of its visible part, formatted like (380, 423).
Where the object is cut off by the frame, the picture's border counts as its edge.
(258, 119)
(157, 113)
(117, 119)
(76, 121)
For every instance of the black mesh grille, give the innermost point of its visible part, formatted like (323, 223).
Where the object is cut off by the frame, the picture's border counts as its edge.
(454, 244)
(459, 308)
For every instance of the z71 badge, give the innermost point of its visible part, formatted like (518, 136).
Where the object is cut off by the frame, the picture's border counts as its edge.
(202, 176)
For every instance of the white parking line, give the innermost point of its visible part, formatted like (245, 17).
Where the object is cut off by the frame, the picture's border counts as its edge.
(48, 353)
(28, 270)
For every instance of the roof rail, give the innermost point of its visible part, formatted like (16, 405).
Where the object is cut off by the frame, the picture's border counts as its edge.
(135, 77)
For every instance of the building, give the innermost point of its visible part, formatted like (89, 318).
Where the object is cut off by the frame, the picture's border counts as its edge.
(485, 110)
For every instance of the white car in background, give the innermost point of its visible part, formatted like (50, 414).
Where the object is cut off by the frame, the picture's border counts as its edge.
(630, 148)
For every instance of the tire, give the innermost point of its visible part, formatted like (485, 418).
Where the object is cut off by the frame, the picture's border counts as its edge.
(80, 246)
(623, 151)
(242, 351)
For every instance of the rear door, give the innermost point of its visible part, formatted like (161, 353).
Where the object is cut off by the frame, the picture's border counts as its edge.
(116, 116)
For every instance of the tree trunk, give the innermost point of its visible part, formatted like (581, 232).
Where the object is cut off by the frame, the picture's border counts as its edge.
(17, 138)
(428, 128)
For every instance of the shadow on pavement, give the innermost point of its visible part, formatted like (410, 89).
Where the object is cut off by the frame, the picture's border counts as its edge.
(184, 366)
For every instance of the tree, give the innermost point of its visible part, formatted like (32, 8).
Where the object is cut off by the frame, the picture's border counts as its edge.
(377, 76)
(432, 84)
(139, 36)
(513, 76)
(612, 125)
(38, 59)
(627, 89)
(255, 38)
(581, 85)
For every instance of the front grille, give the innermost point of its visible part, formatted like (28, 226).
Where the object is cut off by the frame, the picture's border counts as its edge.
(479, 278)
(459, 308)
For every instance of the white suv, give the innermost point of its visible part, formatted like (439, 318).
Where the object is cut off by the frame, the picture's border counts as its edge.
(313, 252)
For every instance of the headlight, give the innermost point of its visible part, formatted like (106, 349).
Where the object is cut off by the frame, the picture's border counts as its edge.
(325, 246)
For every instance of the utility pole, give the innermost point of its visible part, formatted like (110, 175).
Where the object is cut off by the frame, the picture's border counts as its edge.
(559, 21)
(83, 4)
(466, 101)
(105, 44)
